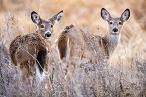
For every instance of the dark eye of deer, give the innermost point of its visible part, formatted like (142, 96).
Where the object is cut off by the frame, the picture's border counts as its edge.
(110, 22)
(42, 26)
(51, 26)
(120, 23)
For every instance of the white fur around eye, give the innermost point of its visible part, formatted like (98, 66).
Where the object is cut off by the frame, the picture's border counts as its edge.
(42, 26)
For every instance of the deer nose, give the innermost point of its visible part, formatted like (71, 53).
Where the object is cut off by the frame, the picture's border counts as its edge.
(47, 34)
(115, 29)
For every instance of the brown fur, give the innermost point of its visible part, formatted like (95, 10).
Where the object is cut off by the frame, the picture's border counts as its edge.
(63, 40)
(82, 47)
(63, 47)
(29, 50)
(92, 47)
(12, 50)
(76, 48)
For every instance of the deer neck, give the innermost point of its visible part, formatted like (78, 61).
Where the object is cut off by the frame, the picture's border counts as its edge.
(110, 42)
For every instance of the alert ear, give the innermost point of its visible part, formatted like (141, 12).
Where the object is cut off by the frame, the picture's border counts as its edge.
(35, 17)
(55, 19)
(125, 15)
(105, 14)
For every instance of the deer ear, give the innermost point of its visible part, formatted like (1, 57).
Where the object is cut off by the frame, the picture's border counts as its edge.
(125, 15)
(105, 14)
(35, 17)
(55, 19)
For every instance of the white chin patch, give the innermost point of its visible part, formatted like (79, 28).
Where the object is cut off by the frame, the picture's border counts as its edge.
(48, 38)
(116, 37)
(115, 32)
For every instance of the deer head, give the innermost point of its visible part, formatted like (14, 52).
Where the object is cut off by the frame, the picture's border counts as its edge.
(115, 24)
(45, 27)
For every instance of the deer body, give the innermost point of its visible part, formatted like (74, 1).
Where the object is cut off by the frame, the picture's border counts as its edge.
(83, 47)
(31, 52)
(74, 45)
(31, 49)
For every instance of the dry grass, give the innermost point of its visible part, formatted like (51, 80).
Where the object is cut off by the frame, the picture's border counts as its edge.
(123, 75)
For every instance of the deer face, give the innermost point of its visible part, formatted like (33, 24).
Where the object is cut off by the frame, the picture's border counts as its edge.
(115, 24)
(45, 27)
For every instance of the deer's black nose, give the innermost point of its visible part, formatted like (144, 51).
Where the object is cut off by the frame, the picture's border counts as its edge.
(48, 34)
(115, 29)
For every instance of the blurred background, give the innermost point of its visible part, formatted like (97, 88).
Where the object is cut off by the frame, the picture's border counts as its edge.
(15, 20)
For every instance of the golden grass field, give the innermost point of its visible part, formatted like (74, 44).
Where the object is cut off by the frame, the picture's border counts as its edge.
(131, 51)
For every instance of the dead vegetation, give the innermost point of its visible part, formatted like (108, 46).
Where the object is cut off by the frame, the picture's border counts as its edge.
(124, 75)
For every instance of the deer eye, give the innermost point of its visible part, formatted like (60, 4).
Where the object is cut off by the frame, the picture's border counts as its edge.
(120, 23)
(110, 22)
(42, 26)
(51, 26)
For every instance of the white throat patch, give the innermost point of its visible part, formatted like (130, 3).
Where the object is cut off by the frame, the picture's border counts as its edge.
(115, 38)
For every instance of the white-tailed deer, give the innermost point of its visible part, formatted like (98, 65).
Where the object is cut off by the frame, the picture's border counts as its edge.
(73, 45)
(31, 52)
